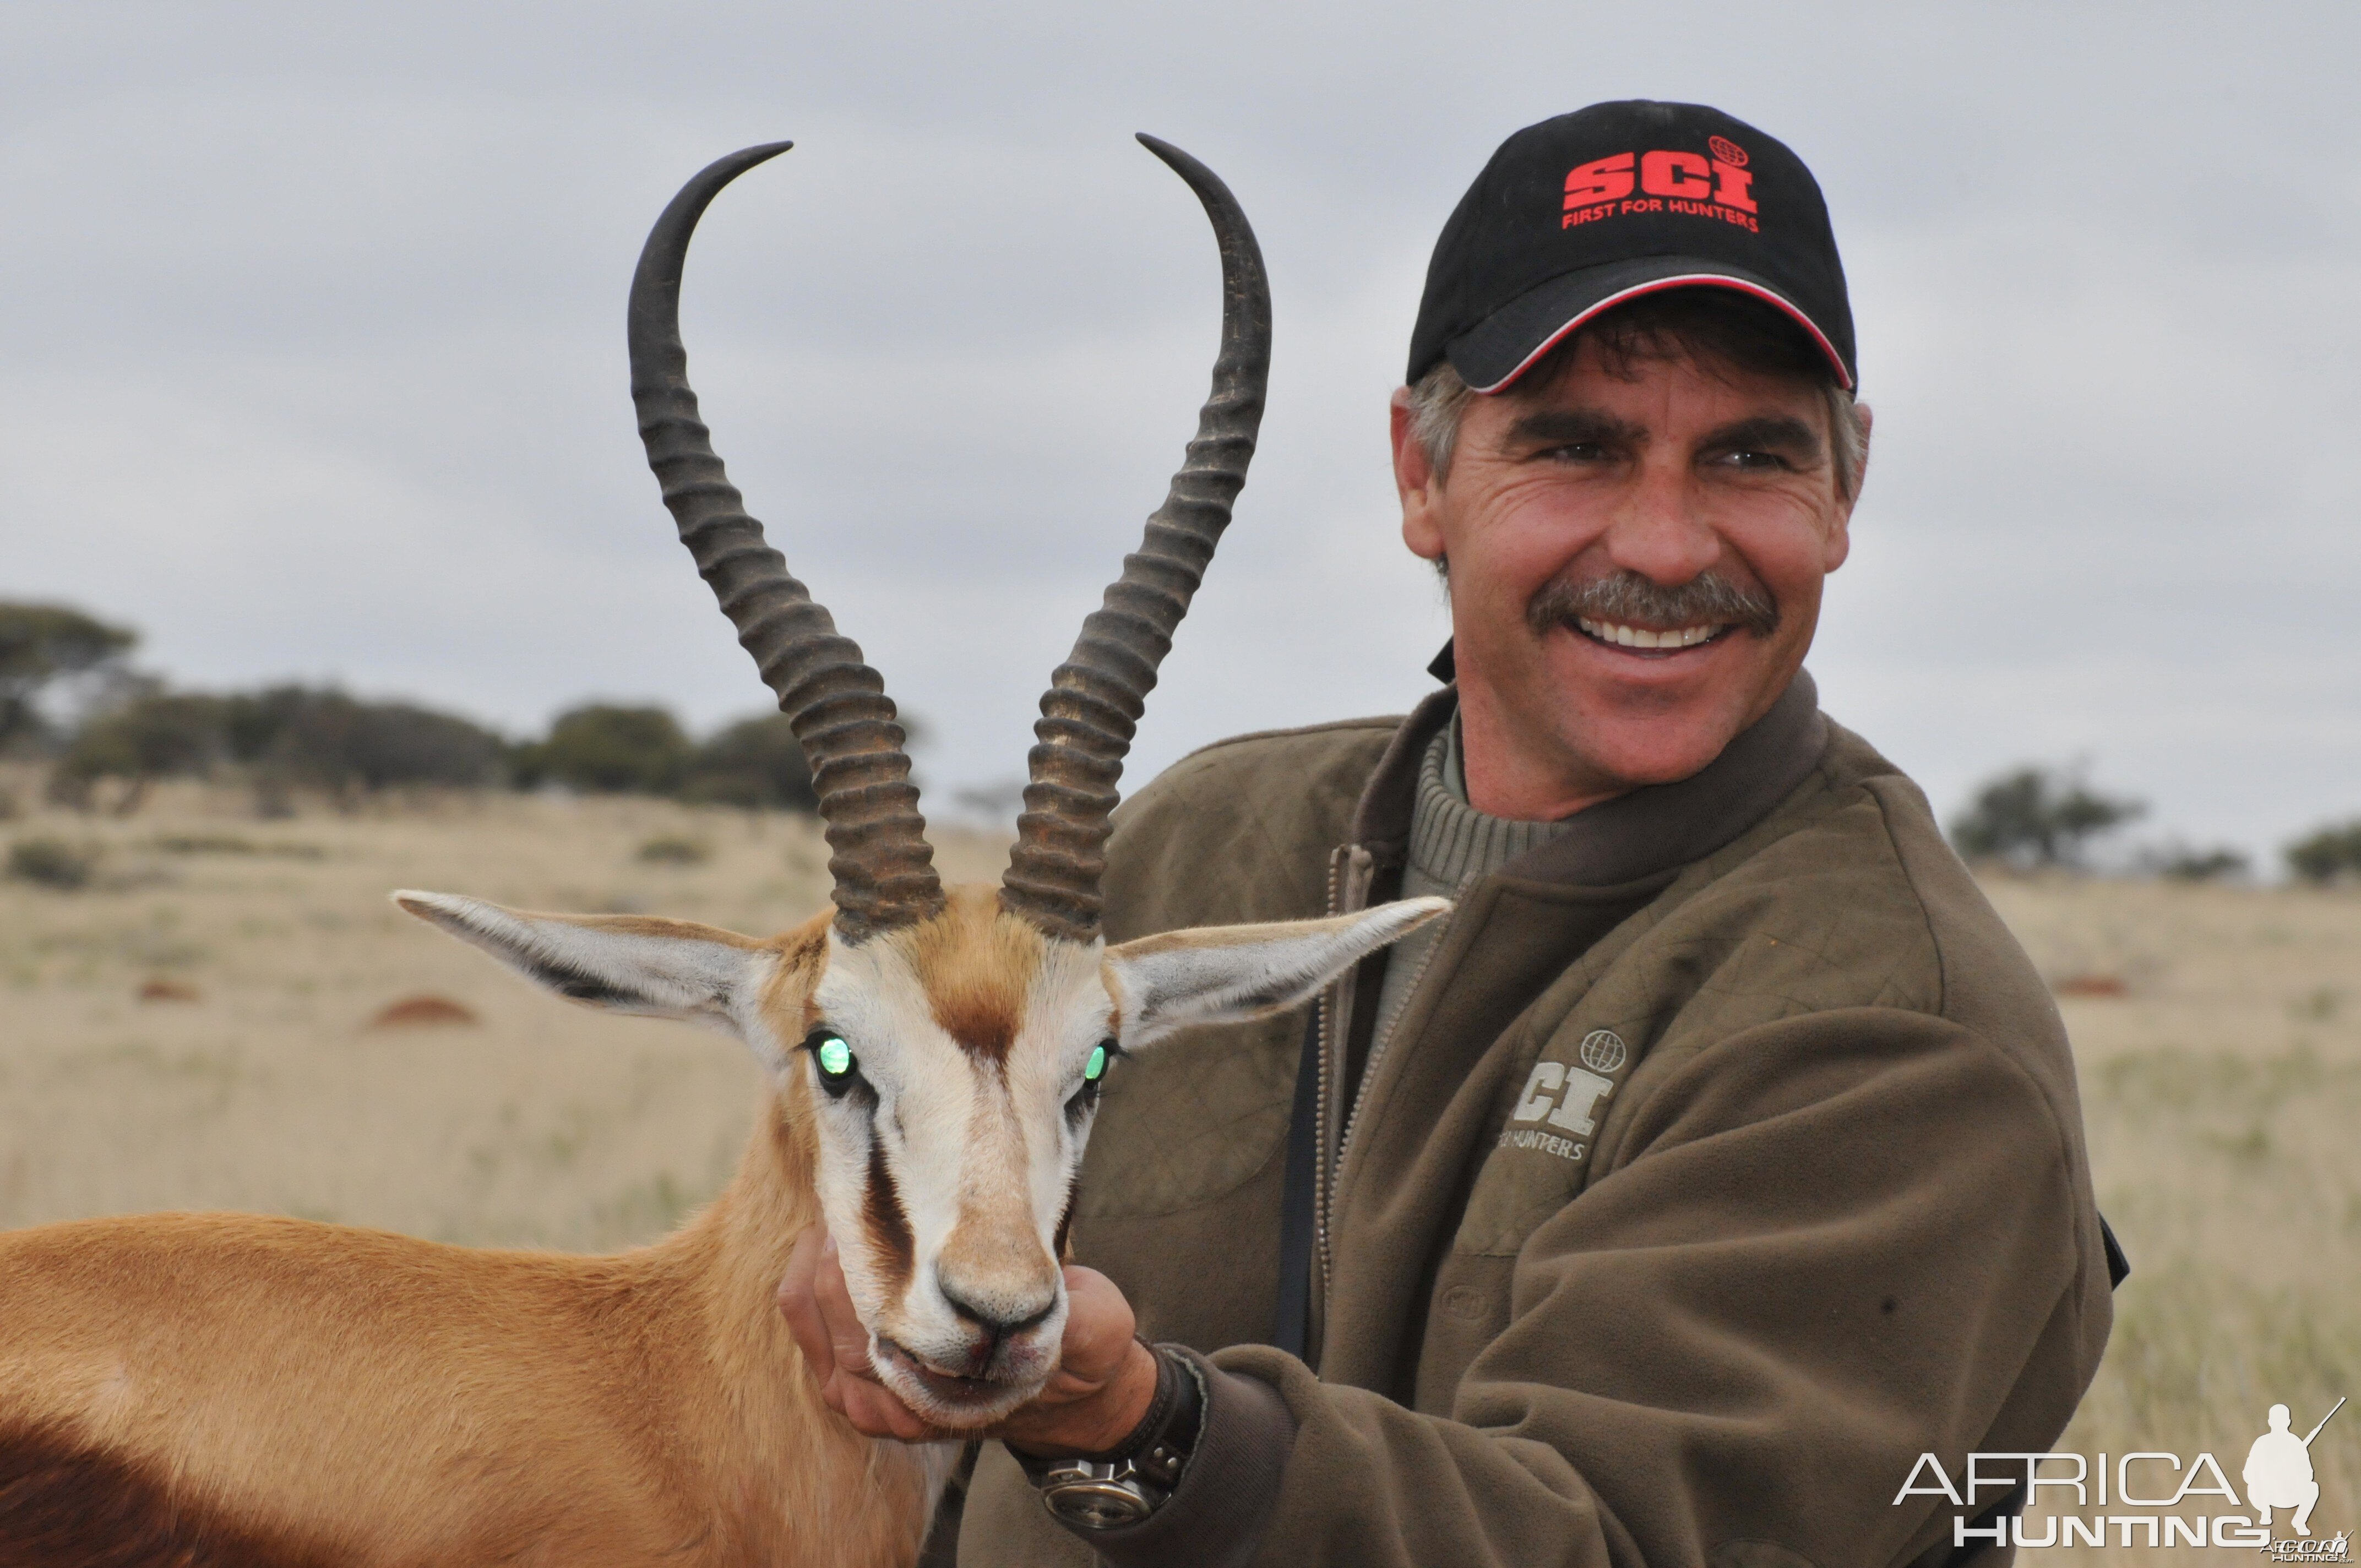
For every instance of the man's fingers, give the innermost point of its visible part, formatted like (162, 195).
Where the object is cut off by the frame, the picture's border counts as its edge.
(798, 1305)
(849, 1339)
(1098, 1326)
(874, 1412)
(818, 1306)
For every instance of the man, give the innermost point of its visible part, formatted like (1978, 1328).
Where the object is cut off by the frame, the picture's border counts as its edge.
(2278, 1473)
(1719, 1155)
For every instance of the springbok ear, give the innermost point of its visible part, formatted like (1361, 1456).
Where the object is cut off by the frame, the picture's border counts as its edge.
(1223, 974)
(621, 963)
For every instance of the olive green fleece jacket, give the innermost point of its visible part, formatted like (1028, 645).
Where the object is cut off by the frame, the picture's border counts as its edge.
(1726, 1157)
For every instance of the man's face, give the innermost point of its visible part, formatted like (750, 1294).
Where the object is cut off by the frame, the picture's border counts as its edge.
(1693, 507)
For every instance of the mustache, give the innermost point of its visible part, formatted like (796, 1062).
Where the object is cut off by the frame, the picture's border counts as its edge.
(1629, 599)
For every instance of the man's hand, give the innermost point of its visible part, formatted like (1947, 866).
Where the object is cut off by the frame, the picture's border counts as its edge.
(1105, 1383)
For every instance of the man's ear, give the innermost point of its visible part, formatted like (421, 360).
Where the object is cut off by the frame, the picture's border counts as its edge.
(1223, 974)
(621, 963)
(1416, 484)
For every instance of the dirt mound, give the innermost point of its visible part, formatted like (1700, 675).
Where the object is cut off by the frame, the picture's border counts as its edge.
(424, 1012)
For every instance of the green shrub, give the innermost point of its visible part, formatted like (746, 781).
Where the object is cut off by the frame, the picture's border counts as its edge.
(2179, 863)
(754, 762)
(671, 849)
(52, 862)
(608, 749)
(160, 735)
(2332, 853)
(325, 739)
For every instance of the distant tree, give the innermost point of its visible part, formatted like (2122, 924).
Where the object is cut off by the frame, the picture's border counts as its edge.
(158, 735)
(608, 749)
(41, 644)
(754, 762)
(295, 736)
(2329, 854)
(2038, 817)
(282, 739)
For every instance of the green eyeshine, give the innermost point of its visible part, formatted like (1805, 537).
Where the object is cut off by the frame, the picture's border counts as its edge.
(835, 1056)
(1096, 1069)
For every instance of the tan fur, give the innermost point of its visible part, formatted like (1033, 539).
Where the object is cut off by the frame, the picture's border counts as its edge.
(345, 1396)
(219, 1390)
(978, 964)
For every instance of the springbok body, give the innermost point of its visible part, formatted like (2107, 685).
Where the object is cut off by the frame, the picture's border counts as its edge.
(216, 1390)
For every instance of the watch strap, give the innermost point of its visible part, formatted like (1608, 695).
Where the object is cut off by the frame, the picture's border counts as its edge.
(1126, 1484)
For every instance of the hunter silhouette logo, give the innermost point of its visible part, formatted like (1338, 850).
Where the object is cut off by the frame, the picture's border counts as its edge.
(2278, 1471)
(2148, 1497)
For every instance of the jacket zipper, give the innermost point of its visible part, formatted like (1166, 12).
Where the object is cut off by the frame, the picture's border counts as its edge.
(1377, 1049)
(1351, 869)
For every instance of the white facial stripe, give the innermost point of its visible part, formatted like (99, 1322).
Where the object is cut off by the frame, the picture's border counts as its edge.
(958, 1132)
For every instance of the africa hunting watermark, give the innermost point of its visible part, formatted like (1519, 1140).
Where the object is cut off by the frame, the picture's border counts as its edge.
(2167, 1495)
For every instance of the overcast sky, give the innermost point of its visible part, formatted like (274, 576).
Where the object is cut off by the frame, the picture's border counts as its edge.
(312, 359)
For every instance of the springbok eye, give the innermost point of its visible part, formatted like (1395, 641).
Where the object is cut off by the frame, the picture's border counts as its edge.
(837, 1069)
(1094, 1077)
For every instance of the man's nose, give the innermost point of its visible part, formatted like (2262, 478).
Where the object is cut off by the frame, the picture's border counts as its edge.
(1657, 532)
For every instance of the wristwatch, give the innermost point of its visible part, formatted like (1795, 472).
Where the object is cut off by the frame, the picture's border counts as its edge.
(1127, 1483)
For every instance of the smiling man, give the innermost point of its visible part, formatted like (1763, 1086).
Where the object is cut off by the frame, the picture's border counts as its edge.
(1719, 1155)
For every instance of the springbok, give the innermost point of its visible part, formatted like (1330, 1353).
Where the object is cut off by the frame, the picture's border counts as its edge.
(210, 1390)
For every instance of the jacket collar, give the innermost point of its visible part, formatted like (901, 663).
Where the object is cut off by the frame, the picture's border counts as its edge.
(1651, 829)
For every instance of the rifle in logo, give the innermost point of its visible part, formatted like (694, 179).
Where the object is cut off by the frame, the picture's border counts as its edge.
(2279, 1471)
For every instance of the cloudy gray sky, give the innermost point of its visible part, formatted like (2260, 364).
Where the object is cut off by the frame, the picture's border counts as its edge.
(311, 351)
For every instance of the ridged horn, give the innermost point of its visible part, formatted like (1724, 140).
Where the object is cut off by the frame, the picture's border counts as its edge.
(1093, 702)
(884, 867)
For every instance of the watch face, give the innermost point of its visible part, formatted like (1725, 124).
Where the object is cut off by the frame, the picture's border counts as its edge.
(1097, 1505)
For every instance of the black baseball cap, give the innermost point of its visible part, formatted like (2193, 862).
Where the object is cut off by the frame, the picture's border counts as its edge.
(1577, 214)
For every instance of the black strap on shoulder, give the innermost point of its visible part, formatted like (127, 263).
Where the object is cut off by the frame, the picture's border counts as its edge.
(1293, 1331)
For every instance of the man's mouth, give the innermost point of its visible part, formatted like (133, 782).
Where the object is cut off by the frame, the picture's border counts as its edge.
(1616, 634)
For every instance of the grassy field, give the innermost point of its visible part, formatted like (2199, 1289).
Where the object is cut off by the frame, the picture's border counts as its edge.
(2218, 1031)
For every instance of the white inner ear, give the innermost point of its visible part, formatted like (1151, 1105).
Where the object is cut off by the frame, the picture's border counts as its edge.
(640, 966)
(1223, 974)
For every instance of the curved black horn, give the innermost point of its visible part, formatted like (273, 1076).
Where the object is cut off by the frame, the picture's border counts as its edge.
(883, 869)
(1093, 702)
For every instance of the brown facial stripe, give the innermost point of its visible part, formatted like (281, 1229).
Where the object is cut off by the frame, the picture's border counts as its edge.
(977, 964)
(889, 1227)
(1066, 1221)
(65, 1506)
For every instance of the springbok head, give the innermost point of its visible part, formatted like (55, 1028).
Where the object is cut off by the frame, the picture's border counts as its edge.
(943, 1050)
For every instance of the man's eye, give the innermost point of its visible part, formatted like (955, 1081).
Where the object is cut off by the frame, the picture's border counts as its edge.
(1756, 460)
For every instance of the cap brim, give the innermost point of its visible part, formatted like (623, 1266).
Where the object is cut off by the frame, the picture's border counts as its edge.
(1505, 345)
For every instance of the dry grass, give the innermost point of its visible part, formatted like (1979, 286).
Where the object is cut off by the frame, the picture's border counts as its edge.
(2222, 1095)
(2221, 1086)
(264, 1073)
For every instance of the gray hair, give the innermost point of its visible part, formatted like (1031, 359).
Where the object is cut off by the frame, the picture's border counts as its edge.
(1439, 399)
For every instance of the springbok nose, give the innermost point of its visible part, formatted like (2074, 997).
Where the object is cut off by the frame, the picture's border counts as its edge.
(998, 1314)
